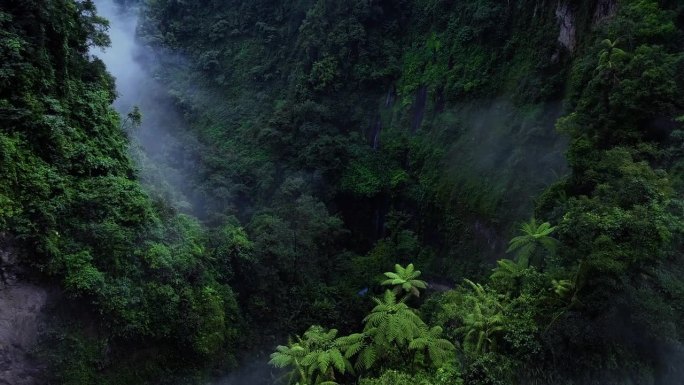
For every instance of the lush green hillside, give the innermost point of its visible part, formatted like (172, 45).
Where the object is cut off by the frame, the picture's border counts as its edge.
(141, 287)
(332, 140)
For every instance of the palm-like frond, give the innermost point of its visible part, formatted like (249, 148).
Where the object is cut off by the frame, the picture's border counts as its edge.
(390, 325)
(281, 358)
(533, 236)
(509, 273)
(323, 359)
(338, 360)
(506, 269)
(477, 288)
(483, 323)
(292, 356)
(405, 279)
(351, 345)
(318, 355)
(439, 349)
(368, 357)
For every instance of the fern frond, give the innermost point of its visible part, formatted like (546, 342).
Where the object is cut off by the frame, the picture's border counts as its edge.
(353, 349)
(310, 359)
(445, 344)
(400, 270)
(367, 357)
(338, 361)
(392, 275)
(418, 343)
(323, 362)
(280, 360)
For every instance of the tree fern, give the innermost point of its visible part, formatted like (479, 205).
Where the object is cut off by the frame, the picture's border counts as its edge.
(391, 320)
(351, 344)
(483, 323)
(367, 357)
(439, 349)
(405, 279)
(318, 355)
(391, 325)
(533, 237)
(509, 273)
(292, 356)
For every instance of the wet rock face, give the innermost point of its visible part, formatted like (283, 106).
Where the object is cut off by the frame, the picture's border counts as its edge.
(21, 317)
(605, 9)
(568, 30)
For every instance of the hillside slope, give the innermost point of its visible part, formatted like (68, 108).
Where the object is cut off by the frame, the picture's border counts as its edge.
(523, 158)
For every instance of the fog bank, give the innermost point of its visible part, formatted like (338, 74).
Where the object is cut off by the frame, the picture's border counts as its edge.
(162, 146)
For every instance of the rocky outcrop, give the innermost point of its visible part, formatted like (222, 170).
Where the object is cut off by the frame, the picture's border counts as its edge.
(565, 14)
(21, 319)
(605, 9)
(567, 36)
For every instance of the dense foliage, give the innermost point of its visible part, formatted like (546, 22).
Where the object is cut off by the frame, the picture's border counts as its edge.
(130, 273)
(330, 141)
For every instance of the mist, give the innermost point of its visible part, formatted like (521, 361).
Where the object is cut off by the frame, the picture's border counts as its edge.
(162, 146)
(500, 158)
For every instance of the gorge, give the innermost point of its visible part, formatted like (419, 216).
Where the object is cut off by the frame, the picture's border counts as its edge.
(366, 192)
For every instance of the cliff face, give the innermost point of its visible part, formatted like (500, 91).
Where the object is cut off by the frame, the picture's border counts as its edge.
(605, 9)
(22, 307)
(566, 18)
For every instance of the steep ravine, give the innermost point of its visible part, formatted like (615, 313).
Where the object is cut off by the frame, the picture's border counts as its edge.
(161, 146)
(290, 152)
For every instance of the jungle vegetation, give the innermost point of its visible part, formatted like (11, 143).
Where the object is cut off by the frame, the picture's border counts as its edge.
(404, 192)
